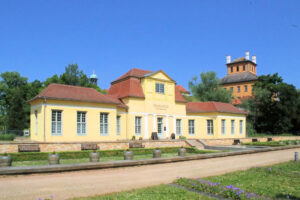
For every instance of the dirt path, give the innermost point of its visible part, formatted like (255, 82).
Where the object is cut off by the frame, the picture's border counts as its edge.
(87, 183)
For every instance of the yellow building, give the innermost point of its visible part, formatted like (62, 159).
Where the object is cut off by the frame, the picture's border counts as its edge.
(241, 76)
(139, 103)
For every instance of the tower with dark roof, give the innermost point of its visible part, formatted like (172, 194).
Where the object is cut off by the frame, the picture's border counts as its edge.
(93, 78)
(241, 76)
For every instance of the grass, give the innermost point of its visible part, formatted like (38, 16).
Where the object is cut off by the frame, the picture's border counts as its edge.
(161, 192)
(271, 144)
(102, 159)
(277, 181)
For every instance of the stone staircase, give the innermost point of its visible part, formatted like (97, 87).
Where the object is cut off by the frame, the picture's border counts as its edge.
(195, 143)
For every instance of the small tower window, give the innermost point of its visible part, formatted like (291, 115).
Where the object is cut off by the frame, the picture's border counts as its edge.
(237, 68)
(231, 69)
(231, 89)
(239, 88)
(244, 67)
(246, 88)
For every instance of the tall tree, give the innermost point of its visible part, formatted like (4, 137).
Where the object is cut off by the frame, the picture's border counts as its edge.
(274, 107)
(208, 88)
(13, 91)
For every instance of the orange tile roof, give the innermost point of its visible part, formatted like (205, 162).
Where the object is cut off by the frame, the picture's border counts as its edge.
(130, 87)
(76, 93)
(179, 97)
(182, 89)
(138, 73)
(212, 106)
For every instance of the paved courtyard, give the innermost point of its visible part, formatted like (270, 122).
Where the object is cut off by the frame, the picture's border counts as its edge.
(94, 182)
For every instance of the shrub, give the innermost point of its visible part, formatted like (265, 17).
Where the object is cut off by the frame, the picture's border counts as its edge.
(182, 137)
(7, 137)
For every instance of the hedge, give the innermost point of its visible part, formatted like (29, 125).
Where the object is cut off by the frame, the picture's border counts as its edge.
(31, 156)
(8, 137)
(271, 143)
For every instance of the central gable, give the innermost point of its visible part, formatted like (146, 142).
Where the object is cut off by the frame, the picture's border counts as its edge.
(160, 75)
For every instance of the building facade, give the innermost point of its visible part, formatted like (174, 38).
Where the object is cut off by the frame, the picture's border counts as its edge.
(241, 76)
(137, 104)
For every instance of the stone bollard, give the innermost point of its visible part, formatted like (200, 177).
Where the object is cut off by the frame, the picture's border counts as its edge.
(53, 158)
(181, 151)
(288, 142)
(297, 142)
(296, 157)
(128, 155)
(94, 156)
(156, 153)
(280, 142)
(5, 160)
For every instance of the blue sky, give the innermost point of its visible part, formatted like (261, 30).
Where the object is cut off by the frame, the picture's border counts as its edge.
(183, 38)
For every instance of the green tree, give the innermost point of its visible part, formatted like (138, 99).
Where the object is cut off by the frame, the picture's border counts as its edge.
(13, 91)
(274, 108)
(208, 88)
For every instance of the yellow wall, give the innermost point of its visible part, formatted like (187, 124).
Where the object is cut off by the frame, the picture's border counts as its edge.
(153, 106)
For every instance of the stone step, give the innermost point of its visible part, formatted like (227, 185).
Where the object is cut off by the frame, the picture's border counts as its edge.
(195, 143)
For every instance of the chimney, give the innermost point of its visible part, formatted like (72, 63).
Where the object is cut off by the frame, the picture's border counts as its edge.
(247, 55)
(254, 59)
(228, 59)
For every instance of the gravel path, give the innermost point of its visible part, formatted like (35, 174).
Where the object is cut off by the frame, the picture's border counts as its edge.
(94, 182)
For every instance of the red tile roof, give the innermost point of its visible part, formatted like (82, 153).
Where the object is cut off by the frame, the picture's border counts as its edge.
(130, 87)
(211, 106)
(182, 89)
(179, 97)
(138, 73)
(76, 93)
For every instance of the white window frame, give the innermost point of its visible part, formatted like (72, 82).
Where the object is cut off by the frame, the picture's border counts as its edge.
(160, 88)
(81, 122)
(232, 127)
(178, 126)
(104, 123)
(56, 123)
(138, 125)
(210, 127)
(36, 121)
(223, 126)
(241, 126)
(118, 125)
(191, 126)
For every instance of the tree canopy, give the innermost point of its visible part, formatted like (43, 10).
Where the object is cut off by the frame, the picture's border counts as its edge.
(208, 88)
(276, 106)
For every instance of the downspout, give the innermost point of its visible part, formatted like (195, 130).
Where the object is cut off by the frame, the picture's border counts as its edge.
(44, 120)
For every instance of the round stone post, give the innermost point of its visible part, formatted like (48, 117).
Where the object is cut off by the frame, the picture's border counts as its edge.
(296, 157)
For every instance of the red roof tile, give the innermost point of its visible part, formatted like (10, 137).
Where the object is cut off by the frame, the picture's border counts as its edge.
(211, 106)
(179, 97)
(76, 93)
(138, 73)
(182, 89)
(126, 88)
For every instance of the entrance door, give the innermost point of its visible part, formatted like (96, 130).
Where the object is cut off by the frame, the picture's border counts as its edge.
(160, 126)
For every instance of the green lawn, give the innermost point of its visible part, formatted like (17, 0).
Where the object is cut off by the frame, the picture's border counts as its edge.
(161, 192)
(84, 160)
(277, 181)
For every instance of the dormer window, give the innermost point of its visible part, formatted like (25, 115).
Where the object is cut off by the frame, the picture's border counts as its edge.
(160, 88)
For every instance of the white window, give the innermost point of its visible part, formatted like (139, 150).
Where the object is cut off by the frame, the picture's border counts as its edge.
(81, 123)
(103, 123)
(56, 122)
(232, 126)
(118, 125)
(210, 127)
(138, 125)
(191, 127)
(178, 126)
(223, 126)
(36, 121)
(160, 88)
(241, 126)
